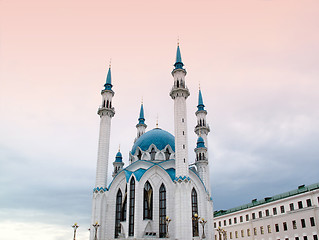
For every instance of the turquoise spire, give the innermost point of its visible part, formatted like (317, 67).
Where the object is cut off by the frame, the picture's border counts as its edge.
(178, 64)
(200, 106)
(141, 118)
(108, 85)
(118, 157)
(200, 142)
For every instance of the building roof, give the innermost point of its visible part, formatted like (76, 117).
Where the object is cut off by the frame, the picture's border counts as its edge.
(200, 142)
(160, 138)
(301, 189)
(118, 157)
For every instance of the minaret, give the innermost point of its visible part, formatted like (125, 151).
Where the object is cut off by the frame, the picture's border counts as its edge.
(117, 164)
(202, 162)
(183, 206)
(179, 94)
(141, 126)
(106, 112)
(202, 128)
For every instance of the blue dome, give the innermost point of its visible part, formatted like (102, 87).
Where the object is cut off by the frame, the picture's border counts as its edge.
(118, 157)
(160, 138)
(200, 142)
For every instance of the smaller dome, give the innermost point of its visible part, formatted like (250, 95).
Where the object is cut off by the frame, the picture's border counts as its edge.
(118, 157)
(200, 142)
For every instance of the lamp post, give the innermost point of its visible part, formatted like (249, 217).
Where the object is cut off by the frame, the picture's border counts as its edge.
(195, 218)
(75, 227)
(96, 226)
(219, 230)
(167, 220)
(224, 232)
(203, 222)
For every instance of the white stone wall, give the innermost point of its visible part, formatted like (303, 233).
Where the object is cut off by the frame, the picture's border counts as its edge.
(287, 217)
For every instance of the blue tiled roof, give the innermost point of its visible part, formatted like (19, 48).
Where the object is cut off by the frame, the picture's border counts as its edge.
(200, 142)
(118, 157)
(141, 118)
(178, 64)
(200, 105)
(108, 84)
(160, 138)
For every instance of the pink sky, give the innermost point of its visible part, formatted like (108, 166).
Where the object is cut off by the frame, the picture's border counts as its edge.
(256, 61)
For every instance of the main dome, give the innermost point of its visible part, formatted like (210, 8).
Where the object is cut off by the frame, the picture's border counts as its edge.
(160, 138)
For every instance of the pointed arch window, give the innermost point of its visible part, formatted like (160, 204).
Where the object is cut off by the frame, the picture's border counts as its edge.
(194, 211)
(131, 209)
(148, 201)
(162, 211)
(153, 154)
(107, 103)
(167, 154)
(177, 84)
(118, 208)
(124, 206)
(139, 154)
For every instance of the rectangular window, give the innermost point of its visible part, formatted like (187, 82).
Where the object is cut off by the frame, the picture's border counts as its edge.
(285, 226)
(303, 223)
(224, 222)
(220, 223)
(269, 229)
(267, 212)
(300, 205)
(255, 231)
(261, 230)
(242, 233)
(260, 214)
(282, 209)
(296, 238)
(231, 235)
(305, 238)
(247, 217)
(253, 216)
(291, 205)
(235, 220)
(318, 199)
(312, 222)
(214, 224)
(236, 234)
(274, 211)
(241, 218)
(277, 227)
(315, 237)
(248, 232)
(309, 203)
(294, 224)
(229, 221)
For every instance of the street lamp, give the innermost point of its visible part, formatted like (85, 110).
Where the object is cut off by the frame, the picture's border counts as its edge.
(75, 226)
(167, 220)
(195, 218)
(222, 232)
(203, 222)
(96, 226)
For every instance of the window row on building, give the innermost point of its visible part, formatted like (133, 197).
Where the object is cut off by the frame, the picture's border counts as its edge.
(242, 233)
(268, 212)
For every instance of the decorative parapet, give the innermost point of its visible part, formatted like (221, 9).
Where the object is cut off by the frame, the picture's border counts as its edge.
(100, 189)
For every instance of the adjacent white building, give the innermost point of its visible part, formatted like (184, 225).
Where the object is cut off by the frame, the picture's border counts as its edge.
(292, 215)
(158, 185)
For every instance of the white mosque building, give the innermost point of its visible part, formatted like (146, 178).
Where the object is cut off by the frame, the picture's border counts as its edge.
(158, 195)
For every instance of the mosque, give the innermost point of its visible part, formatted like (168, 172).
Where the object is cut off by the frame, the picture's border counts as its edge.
(158, 195)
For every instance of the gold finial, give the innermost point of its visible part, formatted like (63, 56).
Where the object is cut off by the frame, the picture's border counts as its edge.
(157, 121)
(119, 147)
(199, 85)
(177, 40)
(110, 62)
(142, 100)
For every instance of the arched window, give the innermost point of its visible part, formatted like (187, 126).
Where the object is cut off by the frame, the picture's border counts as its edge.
(131, 210)
(167, 154)
(153, 154)
(162, 211)
(124, 205)
(148, 201)
(177, 83)
(110, 104)
(194, 211)
(107, 103)
(139, 154)
(118, 208)
(103, 103)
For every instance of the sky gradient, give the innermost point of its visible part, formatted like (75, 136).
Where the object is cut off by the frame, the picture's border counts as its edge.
(256, 62)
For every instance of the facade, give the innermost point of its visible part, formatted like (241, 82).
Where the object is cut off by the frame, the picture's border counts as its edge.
(289, 216)
(158, 195)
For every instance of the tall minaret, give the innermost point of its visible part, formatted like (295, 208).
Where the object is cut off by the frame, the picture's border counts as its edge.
(202, 130)
(183, 205)
(179, 94)
(141, 126)
(106, 112)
